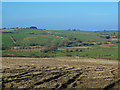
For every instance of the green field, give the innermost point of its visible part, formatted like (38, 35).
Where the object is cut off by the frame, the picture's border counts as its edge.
(56, 43)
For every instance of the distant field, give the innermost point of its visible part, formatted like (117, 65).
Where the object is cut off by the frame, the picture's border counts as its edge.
(27, 37)
(52, 43)
(82, 35)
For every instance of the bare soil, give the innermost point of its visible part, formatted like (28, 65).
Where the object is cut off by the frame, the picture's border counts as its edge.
(26, 50)
(28, 38)
(13, 39)
(59, 73)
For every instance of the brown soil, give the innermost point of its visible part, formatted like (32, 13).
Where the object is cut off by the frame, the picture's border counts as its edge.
(28, 38)
(82, 47)
(27, 50)
(59, 73)
(13, 39)
(107, 46)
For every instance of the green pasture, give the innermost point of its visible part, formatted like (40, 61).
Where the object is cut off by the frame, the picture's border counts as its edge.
(45, 38)
(105, 53)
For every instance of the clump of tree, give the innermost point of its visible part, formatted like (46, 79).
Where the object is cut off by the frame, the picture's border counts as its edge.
(51, 48)
(4, 47)
(99, 43)
(73, 29)
(107, 37)
(33, 27)
(33, 44)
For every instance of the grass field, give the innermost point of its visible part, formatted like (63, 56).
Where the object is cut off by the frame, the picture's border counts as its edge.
(52, 43)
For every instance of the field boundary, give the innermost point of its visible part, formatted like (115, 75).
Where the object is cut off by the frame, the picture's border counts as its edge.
(13, 39)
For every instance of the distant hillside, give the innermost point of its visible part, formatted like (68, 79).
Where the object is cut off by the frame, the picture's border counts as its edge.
(51, 42)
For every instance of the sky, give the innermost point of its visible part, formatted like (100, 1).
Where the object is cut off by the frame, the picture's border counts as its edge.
(61, 15)
(60, 0)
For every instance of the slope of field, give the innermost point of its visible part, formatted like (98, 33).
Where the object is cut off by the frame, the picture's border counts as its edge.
(52, 43)
(111, 52)
(82, 35)
(60, 73)
(43, 37)
(26, 37)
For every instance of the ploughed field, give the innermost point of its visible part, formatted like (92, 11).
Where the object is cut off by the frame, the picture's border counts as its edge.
(59, 73)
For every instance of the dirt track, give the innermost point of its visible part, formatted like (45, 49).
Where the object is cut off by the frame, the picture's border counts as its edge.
(59, 73)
